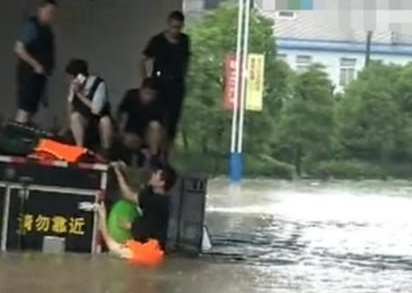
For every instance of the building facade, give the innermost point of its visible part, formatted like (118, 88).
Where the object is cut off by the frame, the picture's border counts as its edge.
(327, 37)
(307, 37)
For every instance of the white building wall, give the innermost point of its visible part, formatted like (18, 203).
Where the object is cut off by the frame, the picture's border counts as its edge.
(331, 61)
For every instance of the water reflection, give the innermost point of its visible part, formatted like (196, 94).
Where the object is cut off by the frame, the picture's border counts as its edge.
(326, 234)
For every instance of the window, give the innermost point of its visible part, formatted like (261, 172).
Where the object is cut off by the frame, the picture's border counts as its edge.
(285, 14)
(303, 62)
(282, 57)
(212, 4)
(347, 71)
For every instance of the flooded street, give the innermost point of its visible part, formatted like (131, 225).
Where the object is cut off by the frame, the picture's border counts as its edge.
(269, 236)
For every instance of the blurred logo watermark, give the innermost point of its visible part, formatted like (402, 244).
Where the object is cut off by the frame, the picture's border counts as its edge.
(392, 15)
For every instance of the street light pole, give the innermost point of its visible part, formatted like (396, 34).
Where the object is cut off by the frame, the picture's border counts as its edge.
(368, 48)
(235, 158)
(242, 49)
(244, 76)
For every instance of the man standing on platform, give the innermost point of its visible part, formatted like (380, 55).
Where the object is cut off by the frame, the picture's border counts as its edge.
(36, 53)
(169, 53)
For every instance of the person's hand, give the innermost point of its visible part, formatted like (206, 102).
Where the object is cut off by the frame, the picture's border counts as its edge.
(114, 165)
(76, 86)
(119, 165)
(38, 69)
(101, 211)
(122, 165)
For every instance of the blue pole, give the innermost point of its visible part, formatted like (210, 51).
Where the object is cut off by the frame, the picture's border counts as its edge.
(236, 167)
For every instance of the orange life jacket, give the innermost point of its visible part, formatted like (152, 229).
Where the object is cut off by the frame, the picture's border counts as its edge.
(60, 151)
(145, 254)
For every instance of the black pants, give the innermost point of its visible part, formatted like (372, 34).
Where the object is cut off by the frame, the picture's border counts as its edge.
(31, 88)
(171, 96)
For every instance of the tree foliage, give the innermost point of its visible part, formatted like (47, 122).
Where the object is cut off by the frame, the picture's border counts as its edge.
(370, 116)
(206, 126)
(364, 131)
(307, 122)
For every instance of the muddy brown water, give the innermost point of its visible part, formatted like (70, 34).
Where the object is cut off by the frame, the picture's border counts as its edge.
(269, 236)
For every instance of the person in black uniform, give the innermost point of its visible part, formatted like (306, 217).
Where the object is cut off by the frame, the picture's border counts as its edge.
(36, 56)
(169, 52)
(141, 121)
(88, 106)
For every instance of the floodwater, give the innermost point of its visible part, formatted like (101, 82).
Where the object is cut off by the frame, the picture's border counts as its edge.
(269, 236)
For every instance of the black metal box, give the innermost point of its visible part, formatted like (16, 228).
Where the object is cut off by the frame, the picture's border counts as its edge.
(36, 213)
(187, 216)
(38, 207)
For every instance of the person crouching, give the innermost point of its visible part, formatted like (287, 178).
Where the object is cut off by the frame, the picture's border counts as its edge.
(88, 105)
(141, 122)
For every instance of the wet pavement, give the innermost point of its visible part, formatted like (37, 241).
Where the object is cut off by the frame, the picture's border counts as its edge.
(270, 236)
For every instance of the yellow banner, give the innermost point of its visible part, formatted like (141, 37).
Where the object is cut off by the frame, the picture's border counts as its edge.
(255, 82)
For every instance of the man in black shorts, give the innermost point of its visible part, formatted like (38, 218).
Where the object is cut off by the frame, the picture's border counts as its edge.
(36, 53)
(88, 106)
(169, 52)
(153, 200)
(141, 120)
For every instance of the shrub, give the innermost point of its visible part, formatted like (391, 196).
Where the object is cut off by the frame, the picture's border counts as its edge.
(351, 169)
(266, 166)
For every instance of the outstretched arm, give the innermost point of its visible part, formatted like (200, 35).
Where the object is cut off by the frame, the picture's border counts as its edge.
(113, 246)
(127, 193)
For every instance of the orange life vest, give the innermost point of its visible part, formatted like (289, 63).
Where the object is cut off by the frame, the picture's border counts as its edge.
(60, 151)
(145, 254)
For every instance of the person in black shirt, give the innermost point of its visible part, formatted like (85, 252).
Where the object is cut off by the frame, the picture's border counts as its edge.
(35, 51)
(169, 53)
(153, 201)
(141, 119)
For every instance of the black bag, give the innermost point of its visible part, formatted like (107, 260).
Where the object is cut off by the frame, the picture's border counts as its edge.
(18, 139)
(16, 146)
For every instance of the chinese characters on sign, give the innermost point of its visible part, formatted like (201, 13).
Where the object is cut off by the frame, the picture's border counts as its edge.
(54, 224)
(59, 225)
(255, 82)
(42, 224)
(230, 82)
(27, 222)
(76, 226)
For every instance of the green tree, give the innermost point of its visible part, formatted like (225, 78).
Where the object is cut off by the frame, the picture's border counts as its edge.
(307, 122)
(403, 96)
(302, 121)
(206, 126)
(369, 116)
